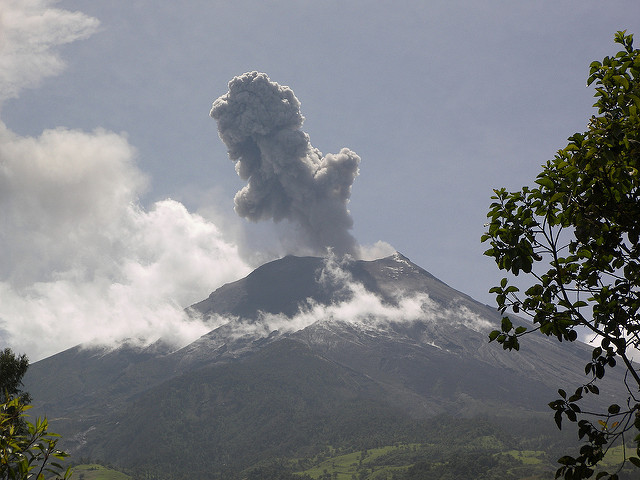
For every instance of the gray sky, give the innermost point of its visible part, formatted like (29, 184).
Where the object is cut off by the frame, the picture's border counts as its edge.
(441, 100)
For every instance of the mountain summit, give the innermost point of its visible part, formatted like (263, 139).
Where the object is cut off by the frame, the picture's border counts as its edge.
(308, 351)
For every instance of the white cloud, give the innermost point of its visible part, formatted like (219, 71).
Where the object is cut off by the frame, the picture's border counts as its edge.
(83, 260)
(370, 311)
(364, 309)
(29, 30)
(63, 192)
(379, 249)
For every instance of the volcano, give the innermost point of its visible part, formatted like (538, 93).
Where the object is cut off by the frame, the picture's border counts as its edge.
(311, 351)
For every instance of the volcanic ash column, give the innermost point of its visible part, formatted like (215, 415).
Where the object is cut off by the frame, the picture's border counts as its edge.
(260, 123)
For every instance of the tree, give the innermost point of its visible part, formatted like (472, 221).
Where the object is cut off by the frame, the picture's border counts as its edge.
(12, 370)
(575, 237)
(26, 450)
(33, 454)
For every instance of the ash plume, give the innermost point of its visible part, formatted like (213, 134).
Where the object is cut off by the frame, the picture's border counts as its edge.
(288, 179)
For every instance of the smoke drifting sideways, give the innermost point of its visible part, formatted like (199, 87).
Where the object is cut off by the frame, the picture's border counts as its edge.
(363, 310)
(288, 179)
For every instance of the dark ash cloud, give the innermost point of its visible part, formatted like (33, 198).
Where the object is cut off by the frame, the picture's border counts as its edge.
(260, 123)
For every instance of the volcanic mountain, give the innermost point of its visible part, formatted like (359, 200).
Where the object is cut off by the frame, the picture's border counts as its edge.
(307, 351)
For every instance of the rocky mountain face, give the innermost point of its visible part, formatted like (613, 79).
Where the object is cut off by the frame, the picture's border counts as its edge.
(309, 351)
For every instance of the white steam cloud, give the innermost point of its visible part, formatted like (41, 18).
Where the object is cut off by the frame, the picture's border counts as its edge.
(260, 123)
(82, 261)
(29, 30)
(363, 309)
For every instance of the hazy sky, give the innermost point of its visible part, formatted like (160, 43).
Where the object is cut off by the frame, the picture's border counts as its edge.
(123, 207)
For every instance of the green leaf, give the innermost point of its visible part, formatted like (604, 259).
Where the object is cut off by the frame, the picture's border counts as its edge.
(545, 182)
(622, 81)
(567, 460)
(506, 324)
(635, 461)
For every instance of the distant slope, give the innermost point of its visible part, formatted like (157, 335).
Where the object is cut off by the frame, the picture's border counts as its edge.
(284, 399)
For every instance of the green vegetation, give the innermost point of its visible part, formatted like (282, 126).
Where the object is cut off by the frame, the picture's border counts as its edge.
(576, 237)
(430, 461)
(12, 370)
(528, 457)
(451, 448)
(426, 461)
(456, 448)
(485, 458)
(481, 458)
(94, 471)
(26, 450)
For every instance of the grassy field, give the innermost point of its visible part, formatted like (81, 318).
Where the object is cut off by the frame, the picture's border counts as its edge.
(382, 463)
(97, 472)
(345, 466)
(528, 457)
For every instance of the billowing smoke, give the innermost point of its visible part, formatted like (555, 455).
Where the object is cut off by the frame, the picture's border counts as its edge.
(288, 179)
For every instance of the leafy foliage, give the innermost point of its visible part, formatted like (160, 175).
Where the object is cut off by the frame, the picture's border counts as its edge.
(575, 235)
(27, 450)
(12, 370)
